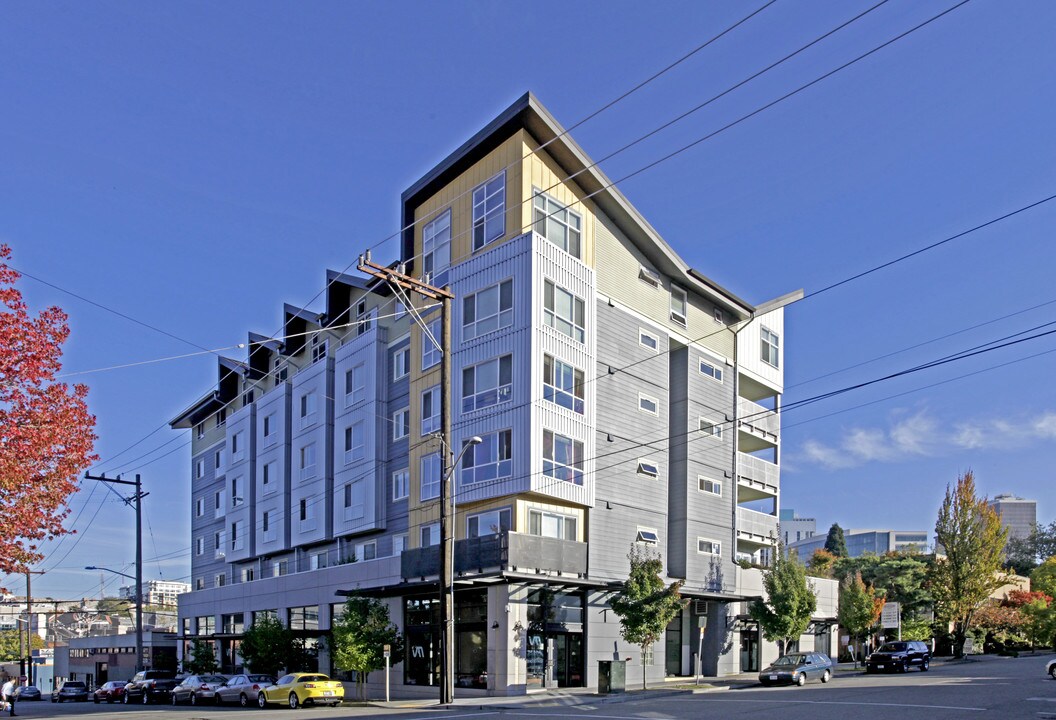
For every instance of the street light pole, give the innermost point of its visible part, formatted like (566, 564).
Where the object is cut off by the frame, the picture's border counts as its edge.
(136, 498)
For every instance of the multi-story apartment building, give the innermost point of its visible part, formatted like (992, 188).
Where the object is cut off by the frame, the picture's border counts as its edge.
(157, 592)
(621, 397)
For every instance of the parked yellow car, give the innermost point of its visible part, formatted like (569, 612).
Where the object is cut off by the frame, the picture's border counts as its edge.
(297, 689)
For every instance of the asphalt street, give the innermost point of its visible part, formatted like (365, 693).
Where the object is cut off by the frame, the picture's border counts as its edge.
(1012, 688)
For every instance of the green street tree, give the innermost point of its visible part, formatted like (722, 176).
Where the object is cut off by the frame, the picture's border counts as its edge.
(790, 601)
(1043, 577)
(858, 608)
(899, 576)
(1023, 554)
(269, 646)
(644, 604)
(359, 637)
(13, 642)
(970, 532)
(203, 658)
(835, 542)
(822, 563)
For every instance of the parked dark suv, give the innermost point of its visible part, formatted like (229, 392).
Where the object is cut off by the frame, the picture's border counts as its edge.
(149, 686)
(899, 656)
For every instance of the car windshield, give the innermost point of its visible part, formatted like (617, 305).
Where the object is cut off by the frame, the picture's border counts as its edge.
(788, 660)
(214, 679)
(893, 647)
(259, 678)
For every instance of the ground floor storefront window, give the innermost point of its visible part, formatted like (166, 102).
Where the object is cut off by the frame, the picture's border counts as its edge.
(555, 647)
(422, 639)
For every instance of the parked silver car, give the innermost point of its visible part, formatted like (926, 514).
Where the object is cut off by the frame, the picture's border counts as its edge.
(1051, 669)
(797, 667)
(197, 689)
(242, 689)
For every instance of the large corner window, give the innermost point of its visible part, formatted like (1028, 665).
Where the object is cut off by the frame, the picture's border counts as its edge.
(564, 311)
(770, 346)
(563, 384)
(489, 211)
(436, 247)
(492, 522)
(487, 310)
(562, 457)
(557, 223)
(491, 459)
(553, 525)
(488, 383)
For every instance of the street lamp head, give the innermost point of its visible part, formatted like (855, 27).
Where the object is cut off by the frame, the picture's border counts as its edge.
(476, 440)
(90, 567)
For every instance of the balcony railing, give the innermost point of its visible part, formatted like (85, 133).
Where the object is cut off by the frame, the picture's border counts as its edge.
(761, 420)
(504, 551)
(758, 473)
(760, 526)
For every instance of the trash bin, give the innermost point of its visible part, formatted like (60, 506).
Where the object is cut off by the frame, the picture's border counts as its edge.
(612, 676)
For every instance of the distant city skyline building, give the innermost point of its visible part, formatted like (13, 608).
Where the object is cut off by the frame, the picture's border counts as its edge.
(1017, 514)
(157, 592)
(794, 528)
(860, 542)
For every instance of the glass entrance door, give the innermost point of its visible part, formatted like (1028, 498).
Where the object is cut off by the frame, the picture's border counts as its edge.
(568, 660)
(749, 650)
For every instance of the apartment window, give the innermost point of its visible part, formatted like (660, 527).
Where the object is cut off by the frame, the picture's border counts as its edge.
(401, 484)
(647, 536)
(679, 305)
(199, 507)
(367, 550)
(218, 459)
(355, 442)
(355, 500)
(282, 371)
(553, 525)
(218, 504)
(649, 468)
(199, 584)
(711, 369)
(771, 347)
(709, 486)
(307, 461)
(308, 407)
(648, 404)
(563, 311)
(218, 543)
(399, 544)
(562, 457)
(486, 384)
(199, 546)
(430, 352)
(436, 247)
(717, 314)
(269, 421)
(221, 417)
(710, 427)
(355, 384)
(401, 363)
(489, 211)
(199, 469)
(236, 498)
(491, 459)
(267, 527)
(649, 276)
(247, 398)
(430, 476)
(492, 522)
(430, 535)
(266, 473)
(709, 547)
(431, 410)
(488, 310)
(563, 384)
(398, 310)
(238, 447)
(199, 430)
(648, 340)
(401, 424)
(319, 348)
(557, 223)
(306, 515)
(364, 318)
(237, 541)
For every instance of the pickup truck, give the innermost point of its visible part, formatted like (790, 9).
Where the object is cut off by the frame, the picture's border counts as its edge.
(148, 686)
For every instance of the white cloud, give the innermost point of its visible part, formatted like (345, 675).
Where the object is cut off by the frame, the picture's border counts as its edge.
(921, 434)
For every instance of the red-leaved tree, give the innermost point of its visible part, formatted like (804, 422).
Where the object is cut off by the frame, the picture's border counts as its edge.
(46, 431)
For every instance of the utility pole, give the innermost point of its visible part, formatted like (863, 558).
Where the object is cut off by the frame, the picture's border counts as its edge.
(136, 498)
(29, 624)
(399, 279)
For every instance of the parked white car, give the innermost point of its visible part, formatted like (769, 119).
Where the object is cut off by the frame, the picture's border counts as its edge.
(1051, 669)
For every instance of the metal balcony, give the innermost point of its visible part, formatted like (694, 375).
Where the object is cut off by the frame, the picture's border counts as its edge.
(757, 478)
(756, 527)
(760, 426)
(502, 552)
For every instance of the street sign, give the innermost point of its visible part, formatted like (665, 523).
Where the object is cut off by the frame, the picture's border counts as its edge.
(388, 650)
(890, 617)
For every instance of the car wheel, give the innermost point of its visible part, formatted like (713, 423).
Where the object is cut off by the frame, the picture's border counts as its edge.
(801, 680)
(217, 700)
(1052, 672)
(262, 702)
(125, 699)
(924, 665)
(194, 698)
(95, 700)
(146, 697)
(243, 700)
(174, 700)
(294, 702)
(826, 676)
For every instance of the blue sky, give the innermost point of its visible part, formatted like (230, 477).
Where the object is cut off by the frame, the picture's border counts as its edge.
(195, 165)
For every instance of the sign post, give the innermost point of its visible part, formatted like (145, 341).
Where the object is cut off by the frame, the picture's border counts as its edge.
(388, 655)
(891, 617)
(700, 647)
